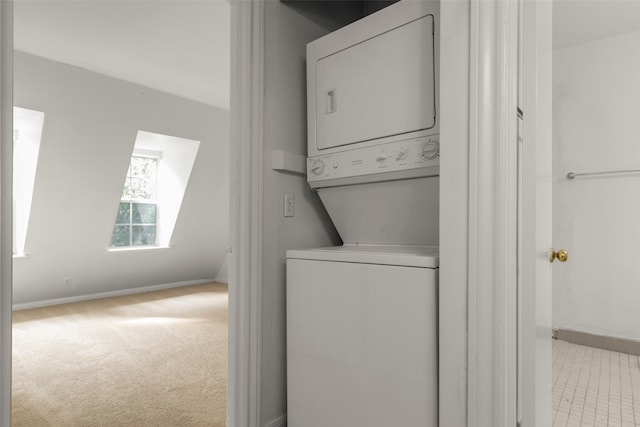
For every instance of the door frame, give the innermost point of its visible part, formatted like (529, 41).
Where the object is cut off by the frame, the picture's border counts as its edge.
(245, 261)
(492, 207)
(535, 216)
(6, 203)
(479, 183)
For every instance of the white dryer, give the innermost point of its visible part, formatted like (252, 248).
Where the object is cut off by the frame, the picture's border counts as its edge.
(361, 336)
(373, 125)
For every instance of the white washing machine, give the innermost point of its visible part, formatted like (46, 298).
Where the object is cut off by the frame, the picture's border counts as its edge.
(361, 336)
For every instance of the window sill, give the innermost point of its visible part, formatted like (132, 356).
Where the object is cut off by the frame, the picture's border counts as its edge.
(136, 249)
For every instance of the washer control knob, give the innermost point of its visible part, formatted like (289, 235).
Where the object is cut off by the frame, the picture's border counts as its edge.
(317, 167)
(431, 150)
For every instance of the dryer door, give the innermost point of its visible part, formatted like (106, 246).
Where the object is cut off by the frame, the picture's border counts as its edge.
(381, 87)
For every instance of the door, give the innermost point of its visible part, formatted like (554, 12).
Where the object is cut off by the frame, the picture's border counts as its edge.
(534, 216)
(359, 91)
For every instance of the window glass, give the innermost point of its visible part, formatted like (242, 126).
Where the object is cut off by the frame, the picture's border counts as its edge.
(136, 220)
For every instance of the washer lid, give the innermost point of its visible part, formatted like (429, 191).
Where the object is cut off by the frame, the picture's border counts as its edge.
(407, 256)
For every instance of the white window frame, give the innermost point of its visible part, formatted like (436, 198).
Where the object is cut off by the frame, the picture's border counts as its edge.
(146, 154)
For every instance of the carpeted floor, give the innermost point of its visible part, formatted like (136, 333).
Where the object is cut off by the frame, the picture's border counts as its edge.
(154, 359)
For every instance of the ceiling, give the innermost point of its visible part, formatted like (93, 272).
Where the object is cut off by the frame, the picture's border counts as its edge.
(182, 46)
(177, 46)
(577, 22)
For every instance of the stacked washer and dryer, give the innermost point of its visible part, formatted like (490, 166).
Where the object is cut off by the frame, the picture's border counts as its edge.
(362, 317)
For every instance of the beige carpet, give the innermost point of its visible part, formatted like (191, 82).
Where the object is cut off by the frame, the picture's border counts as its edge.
(154, 359)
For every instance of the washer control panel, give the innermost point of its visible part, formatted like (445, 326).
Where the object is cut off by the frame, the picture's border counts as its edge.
(412, 153)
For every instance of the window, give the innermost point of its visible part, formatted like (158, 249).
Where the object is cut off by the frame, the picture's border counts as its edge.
(155, 184)
(136, 222)
(27, 135)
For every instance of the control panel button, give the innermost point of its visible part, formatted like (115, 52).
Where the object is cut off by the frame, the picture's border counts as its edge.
(335, 166)
(317, 167)
(431, 150)
(381, 158)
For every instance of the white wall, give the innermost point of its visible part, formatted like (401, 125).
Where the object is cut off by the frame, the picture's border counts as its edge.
(287, 31)
(89, 131)
(596, 127)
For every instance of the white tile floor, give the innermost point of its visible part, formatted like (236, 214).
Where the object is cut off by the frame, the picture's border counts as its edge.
(593, 387)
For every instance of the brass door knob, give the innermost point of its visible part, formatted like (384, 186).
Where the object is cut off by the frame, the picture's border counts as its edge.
(562, 255)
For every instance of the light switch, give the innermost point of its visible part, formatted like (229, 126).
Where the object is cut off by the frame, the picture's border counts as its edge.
(289, 208)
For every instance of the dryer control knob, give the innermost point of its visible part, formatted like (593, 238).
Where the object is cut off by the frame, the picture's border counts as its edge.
(431, 150)
(317, 167)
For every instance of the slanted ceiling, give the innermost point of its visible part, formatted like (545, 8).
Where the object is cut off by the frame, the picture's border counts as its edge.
(178, 47)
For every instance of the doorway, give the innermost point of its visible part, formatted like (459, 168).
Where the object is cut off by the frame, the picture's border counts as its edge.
(145, 268)
(596, 174)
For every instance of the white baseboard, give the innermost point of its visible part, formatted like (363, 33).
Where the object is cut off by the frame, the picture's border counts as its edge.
(120, 292)
(281, 421)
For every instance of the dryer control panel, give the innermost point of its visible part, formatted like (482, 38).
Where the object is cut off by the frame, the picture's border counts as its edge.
(414, 153)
